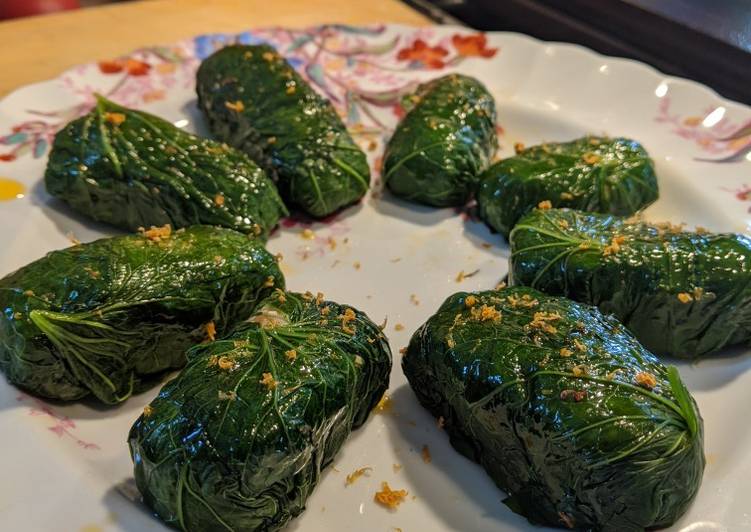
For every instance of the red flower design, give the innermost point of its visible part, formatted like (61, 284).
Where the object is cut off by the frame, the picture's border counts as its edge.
(420, 52)
(473, 45)
(133, 67)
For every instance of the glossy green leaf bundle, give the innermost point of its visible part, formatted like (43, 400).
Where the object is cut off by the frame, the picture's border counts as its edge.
(97, 319)
(681, 293)
(254, 100)
(595, 174)
(566, 411)
(443, 143)
(238, 440)
(132, 169)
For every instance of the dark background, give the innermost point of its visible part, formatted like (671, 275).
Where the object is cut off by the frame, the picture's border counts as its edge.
(705, 40)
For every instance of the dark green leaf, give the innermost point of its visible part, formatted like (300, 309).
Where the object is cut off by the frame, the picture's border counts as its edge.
(446, 140)
(255, 100)
(565, 410)
(99, 318)
(238, 440)
(133, 169)
(683, 294)
(595, 174)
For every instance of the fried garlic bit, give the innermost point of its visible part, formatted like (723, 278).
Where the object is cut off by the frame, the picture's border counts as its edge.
(470, 301)
(614, 246)
(525, 301)
(114, 118)
(307, 234)
(384, 405)
(545, 205)
(156, 234)
(390, 498)
(269, 282)
(685, 297)
(541, 321)
(485, 313)
(357, 473)
(425, 454)
(591, 158)
(645, 380)
(147, 411)
(236, 106)
(210, 331)
(348, 317)
(565, 352)
(291, 355)
(268, 381)
(518, 147)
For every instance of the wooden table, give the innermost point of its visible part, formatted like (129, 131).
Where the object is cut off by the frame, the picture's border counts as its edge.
(39, 48)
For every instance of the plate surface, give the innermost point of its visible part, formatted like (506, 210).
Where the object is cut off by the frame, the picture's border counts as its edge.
(66, 467)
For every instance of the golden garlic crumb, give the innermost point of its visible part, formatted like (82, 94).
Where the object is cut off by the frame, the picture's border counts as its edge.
(518, 147)
(485, 313)
(210, 331)
(357, 473)
(147, 411)
(579, 345)
(591, 158)
(541, 319)
(268, 381)
(219, 200)
(28, 293)
(645, 380)
(225, 363)
(385, 405)
(356, 265)
(269, 282)
(388, 497)
(425, 453)
(398, 327)
(545, 205)
(307, 234)
(567, 196)
(698, 293)
(227, 396)
(563, 224)
(114, 118)
(291, 355)
(291, 89)
(236, 106)
(565, 352)
(268, 56)
(470, 301)
(685, 297)
(156, 234)
(500, 286)
(348, 316)
(615, 245)
(579, 371)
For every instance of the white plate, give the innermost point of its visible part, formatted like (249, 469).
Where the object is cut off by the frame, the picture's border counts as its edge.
(65, 466)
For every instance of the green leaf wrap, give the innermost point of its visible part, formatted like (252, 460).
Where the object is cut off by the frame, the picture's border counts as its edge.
(683, 294)
(254, 100)
(100, 318)
(238, 440)
(443, 143)
(132, 169)
(598, 174)
(565, 410)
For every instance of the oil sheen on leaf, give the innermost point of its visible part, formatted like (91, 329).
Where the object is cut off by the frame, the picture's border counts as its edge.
(101, 318)
(254, 100)
(239, 439)
(681, 293)
(565, 410)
